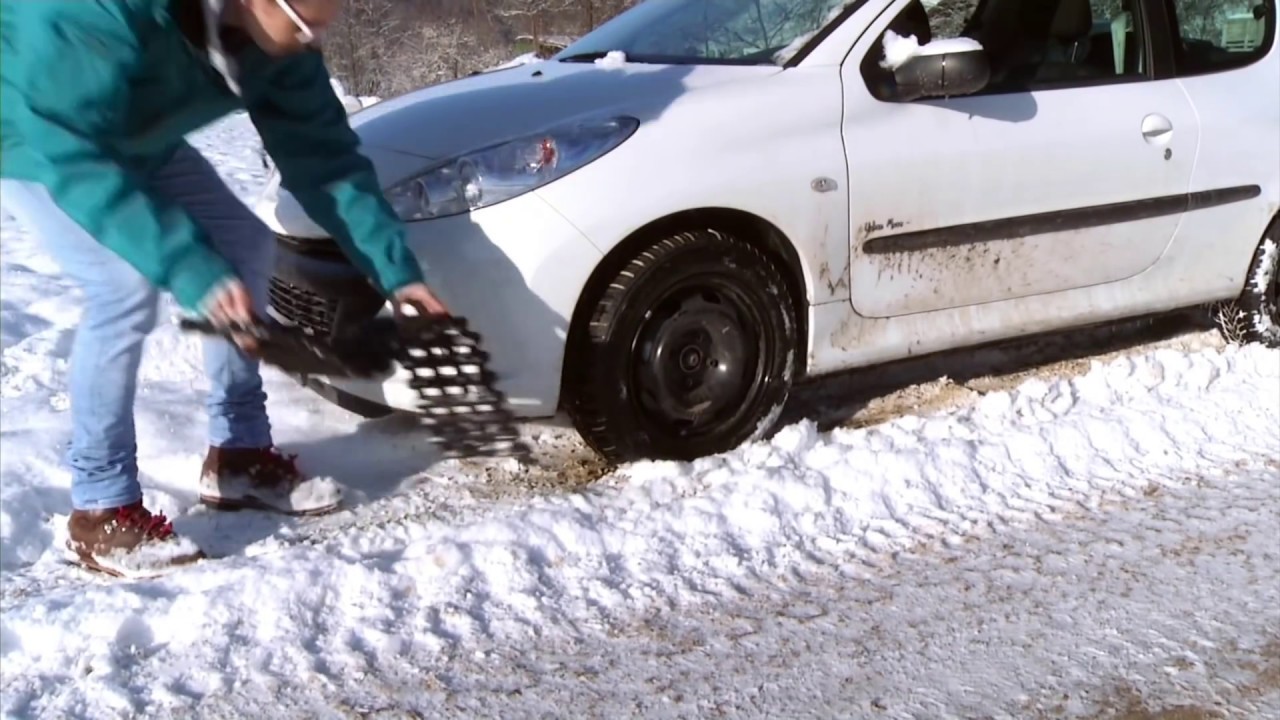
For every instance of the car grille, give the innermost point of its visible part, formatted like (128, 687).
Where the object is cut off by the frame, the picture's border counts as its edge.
(302, 307)
(315, 247)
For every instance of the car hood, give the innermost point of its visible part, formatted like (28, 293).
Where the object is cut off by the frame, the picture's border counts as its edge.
(470, 113)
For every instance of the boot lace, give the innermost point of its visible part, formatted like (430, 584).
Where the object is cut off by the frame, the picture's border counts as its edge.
(278, 466)
(155, 525)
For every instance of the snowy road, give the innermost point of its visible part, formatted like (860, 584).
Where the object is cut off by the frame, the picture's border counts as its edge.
(1161, 605)
(1095, 541)
(1166, 605)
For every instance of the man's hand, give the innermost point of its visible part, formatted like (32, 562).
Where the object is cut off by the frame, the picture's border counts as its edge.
(421, 298)
(232, 304)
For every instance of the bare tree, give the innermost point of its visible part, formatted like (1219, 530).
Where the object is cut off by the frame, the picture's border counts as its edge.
(538, 17)
(387, 47)
(361, 44)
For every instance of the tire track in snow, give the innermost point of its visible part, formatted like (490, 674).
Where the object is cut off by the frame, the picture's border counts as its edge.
(1159, 605)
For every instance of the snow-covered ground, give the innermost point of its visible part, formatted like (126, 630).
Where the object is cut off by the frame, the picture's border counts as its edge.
(1103, 544)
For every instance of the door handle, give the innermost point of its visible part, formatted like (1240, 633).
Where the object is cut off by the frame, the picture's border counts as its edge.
(1156, 129)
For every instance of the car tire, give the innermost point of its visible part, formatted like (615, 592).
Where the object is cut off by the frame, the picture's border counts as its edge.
(1259, 303)
(688, 350)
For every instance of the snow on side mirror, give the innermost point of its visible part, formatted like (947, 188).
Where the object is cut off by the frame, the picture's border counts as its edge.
(955, 66)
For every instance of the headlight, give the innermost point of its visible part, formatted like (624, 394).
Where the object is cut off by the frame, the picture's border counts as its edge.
(500, 172)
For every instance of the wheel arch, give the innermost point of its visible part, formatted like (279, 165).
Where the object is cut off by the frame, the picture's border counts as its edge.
(751, 228)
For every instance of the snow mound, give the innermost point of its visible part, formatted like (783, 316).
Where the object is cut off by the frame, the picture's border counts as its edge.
(654, 535)
(612, 59)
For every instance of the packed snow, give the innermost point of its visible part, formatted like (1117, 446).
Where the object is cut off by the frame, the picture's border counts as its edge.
(1071, 547)
(612, 59)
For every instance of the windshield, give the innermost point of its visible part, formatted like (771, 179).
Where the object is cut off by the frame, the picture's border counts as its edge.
(735, 32)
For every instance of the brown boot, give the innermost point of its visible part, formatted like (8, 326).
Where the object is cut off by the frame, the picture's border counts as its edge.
(128, 542)
(264, 479)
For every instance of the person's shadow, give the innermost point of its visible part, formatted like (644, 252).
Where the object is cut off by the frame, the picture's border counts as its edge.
(523, 336)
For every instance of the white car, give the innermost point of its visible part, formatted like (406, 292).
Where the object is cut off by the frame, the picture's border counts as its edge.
(664, 227)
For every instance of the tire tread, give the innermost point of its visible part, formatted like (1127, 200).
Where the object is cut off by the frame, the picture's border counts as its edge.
(584, 396)
(1260, 322)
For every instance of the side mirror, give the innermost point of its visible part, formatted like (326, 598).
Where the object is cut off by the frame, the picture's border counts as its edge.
(955, 66)
(942, 74)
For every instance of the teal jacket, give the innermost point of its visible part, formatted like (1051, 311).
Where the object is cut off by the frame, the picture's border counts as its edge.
(95, 94)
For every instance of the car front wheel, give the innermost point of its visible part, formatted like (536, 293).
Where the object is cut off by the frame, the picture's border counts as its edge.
(688, 351)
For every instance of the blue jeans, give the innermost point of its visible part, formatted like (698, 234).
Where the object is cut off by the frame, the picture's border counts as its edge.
(121, 307)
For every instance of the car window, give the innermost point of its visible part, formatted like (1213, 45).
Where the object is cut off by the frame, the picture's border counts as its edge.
(751, 28)
(1030, 44)
(1216, 35)
(710, 31)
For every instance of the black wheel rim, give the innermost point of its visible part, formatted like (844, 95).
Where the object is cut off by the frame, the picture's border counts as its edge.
(697, 359)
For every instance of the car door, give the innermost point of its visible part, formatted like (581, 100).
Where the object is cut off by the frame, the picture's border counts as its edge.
(1069, 170)
(1225, 60)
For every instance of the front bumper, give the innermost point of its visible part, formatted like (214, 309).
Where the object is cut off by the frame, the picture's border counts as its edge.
(316, 287)
(514, 271)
